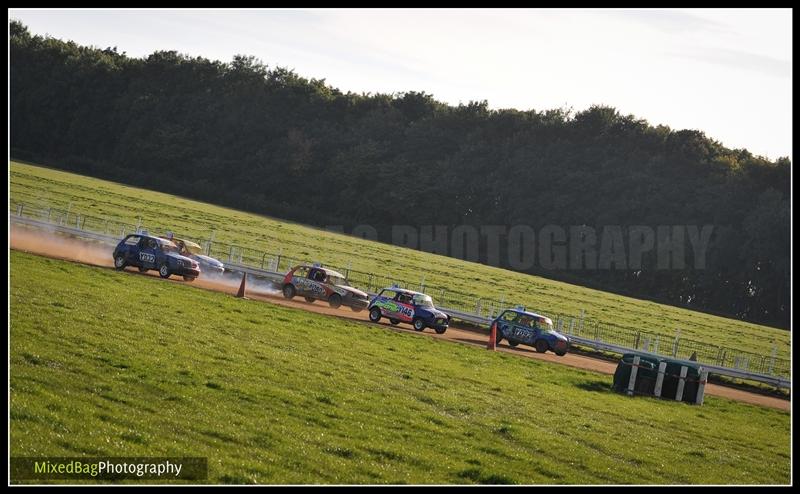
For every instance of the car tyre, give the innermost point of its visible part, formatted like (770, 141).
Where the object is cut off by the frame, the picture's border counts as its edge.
(418, 323)
(394, 321)
(375, 314)
(142, 269)
(188, 278)
(541, 346)
(440, 330)
(512, 344)
(310, 300)
(335, 301)
(561, 354)
(289, 291)
(119, 263)
(356, 308)
(163, 270)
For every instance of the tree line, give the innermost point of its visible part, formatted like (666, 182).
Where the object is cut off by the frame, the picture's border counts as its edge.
(266, 140)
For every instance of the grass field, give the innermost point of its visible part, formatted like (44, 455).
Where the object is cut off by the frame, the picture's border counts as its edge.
(120, 364)
(89, 196)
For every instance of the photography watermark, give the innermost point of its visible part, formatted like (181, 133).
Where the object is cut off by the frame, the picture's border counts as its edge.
(555, 247)
(109, 468)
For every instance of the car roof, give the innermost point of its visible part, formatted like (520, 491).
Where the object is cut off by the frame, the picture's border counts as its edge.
(157, 239)
(403, 290)
(327, 270)
(525, 312)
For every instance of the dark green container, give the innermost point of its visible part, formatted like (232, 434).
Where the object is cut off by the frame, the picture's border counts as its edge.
(645, 376)
(672, 377)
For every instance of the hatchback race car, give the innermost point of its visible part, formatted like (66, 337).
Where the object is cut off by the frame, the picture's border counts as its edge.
(318, 283)
(192, 250)
(400, 305)
(518, 326)
(147, 252)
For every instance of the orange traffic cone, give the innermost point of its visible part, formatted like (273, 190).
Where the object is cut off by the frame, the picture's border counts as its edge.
(492, 337)
(240, 294)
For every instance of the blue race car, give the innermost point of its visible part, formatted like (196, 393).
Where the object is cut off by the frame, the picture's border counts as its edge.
(147, 252)
(518, 326)
(399, 305)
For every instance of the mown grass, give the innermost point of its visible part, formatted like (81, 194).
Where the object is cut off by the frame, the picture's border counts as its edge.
(89, 196)
(120, 364)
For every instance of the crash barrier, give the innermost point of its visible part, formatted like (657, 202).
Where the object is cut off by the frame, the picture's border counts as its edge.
(650, 375)
(584, 332)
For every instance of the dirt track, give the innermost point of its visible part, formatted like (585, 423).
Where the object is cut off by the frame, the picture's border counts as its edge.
(57, 246)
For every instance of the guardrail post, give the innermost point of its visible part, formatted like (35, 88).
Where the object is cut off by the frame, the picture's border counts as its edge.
(675, 343)
(660, 379)
(19, 210)
(571, 325)
(772, 360)
(636, 341)
(230, 254)
(655, 345)
(632, 380)
(77, 221)
(646, 344)
(49, 212)
(681, 383)
(701, 388)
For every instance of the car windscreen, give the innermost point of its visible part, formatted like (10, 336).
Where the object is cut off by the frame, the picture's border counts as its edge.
(336, 280)
(423, 301)
(168, 246)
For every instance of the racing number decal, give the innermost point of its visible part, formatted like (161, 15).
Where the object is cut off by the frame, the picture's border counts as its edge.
(391, 308)
(309, 286)
(145, 257)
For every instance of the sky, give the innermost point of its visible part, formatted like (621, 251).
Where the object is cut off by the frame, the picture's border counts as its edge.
(726, 72)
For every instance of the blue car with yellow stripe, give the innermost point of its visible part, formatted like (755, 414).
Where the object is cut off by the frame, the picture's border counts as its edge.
(520, 326)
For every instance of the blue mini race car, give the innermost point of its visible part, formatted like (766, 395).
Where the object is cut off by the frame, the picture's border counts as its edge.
(399, 305)
(147, 252)
(518, 326)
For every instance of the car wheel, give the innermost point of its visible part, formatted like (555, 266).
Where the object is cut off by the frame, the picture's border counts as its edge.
(561, 354)
(394, 321)
(541, 346)
(188, 278)
(512, 343)
(356, 308)
(310, 300)
(375, 314)
(289, 291)
(419, 324)
(335, 301)
(142, 269)
(440, 331)
(499, 337)
(164, 271)
(119, 263)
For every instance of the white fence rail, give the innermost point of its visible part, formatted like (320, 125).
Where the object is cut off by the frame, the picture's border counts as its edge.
(478, 319)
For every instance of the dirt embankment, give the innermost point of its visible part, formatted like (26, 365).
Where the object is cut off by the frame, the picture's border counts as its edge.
(58, 246)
